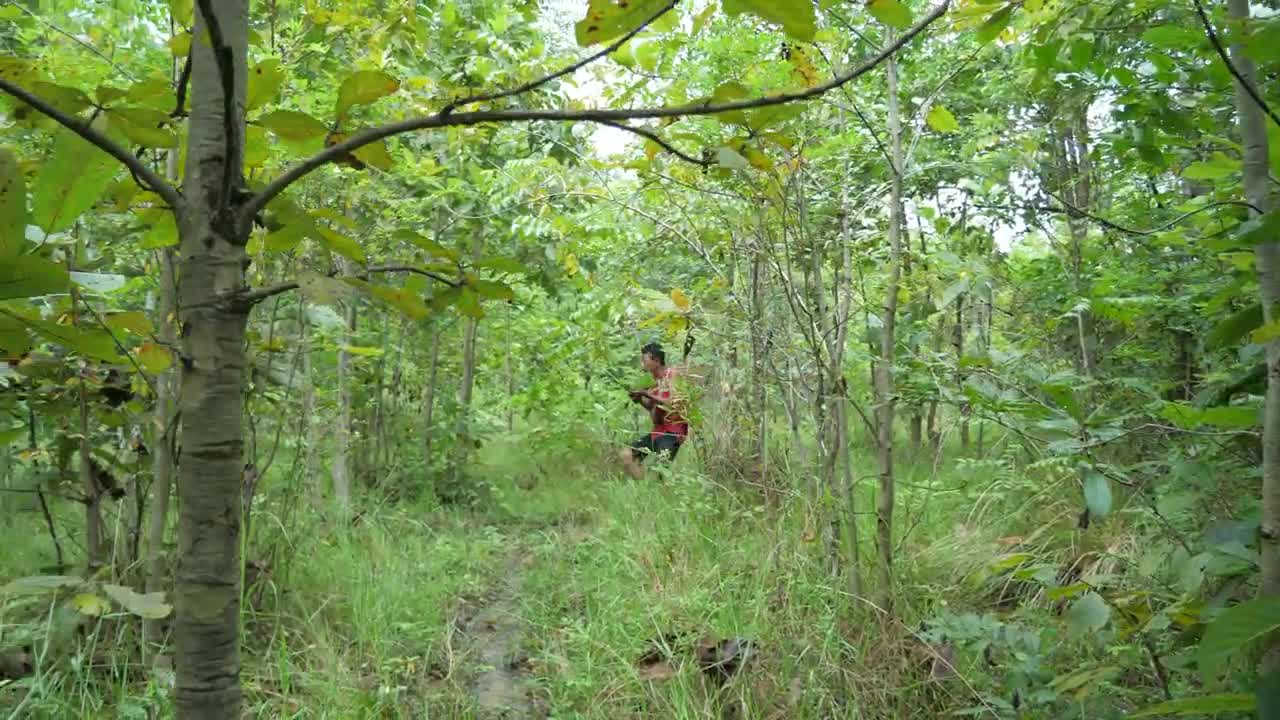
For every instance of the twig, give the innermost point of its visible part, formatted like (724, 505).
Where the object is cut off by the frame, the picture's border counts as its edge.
(252, 297)
(1222, 53)
(532, 84)
(184, 78)
(1069, 209)
(657, 140)
(120, 346)
(258, 201)
(227, 70)
(137, 167)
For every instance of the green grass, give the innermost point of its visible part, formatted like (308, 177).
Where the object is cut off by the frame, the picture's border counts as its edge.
(359, 621)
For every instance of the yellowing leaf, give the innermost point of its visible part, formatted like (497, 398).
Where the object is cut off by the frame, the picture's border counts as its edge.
(90, 604)
(135, 322)
(802, 67)
(265, 80)
(680, 300)
(341, 244)
(150, 606)
(364, 87)
(941, 119)
(375, 154)
(292, 125)
(163, 231)
(154, 358)
(890, 12)
(795, 16)
(143, 126)
(180, 44)
(607, 19)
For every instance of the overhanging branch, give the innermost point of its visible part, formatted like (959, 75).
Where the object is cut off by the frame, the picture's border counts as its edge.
(137, 167)
(568, 70)
(657, 140)
(442, 119)
(1235, 72)
(250, 297)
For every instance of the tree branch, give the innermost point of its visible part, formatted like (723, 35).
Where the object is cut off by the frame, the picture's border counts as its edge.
(1222, 53)
(75, 125)
(227, 70)
(250, 297)
(568, 70)
(258, 201)
(657, 140)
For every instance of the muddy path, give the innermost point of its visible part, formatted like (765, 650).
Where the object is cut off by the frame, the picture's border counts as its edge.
(501, 685)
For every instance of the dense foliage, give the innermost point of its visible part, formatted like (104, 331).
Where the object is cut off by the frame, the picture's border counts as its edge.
(974, 304)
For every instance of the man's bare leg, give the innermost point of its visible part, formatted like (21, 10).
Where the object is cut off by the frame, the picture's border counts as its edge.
(629, 463)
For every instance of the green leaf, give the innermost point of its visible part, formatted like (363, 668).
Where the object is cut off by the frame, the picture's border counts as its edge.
(15, 341)
(494, 290)
(445, 298)
(795, 16)
(1264, 228)
(154, 358)
(94, 343)
(773, 115)
(469, 304)
(399, 299)
(1097, 494)
(608, 19)
(163, 230)
(182, 12)
(292, 125)
(143, 126)
(13, 208)
(150, 606)
(1218, 166)
(941, 119)
(69, 182)
(729, 158)
(1089, 614)
(432, 247)
(32, 276)
(134, 321)
(890, 12)
(995, 24)
(341, 244)
(1172, 37)
(1235, 629)
(1205, 704)
(1234, 327)
(37, 584)
(364, 87)
(500, 263)
(375, 154)
(265, 80)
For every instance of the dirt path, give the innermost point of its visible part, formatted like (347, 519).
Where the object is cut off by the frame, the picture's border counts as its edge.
(499, 687)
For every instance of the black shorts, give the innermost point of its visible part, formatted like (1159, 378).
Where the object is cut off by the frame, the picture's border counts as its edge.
(665, 444)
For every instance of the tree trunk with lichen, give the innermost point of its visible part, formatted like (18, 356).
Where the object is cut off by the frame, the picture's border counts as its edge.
(212, 337)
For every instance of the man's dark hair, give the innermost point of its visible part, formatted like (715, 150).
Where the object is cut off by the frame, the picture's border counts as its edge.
(653, 349)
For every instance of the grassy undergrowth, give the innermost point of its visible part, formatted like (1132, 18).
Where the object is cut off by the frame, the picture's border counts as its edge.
(623, 584)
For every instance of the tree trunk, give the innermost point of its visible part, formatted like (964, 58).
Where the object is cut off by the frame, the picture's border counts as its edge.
(94, 551)
(884, 389)
(1253, 136)
(960, 376)
(213, 335)
(429, 396)
(314, 429)
(341, 471)
(462, 429)
(161, 449)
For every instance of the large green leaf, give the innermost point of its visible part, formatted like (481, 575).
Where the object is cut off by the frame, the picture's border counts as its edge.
(500, 263)
(292, 125)
(995, 25)
(13, 207)
(494, 290)
(1089, 614)
(890, 12)
(1218, 166)
(795, 16)
(432, 247)
(399, 299)
(69, 182)
(1172, 37)
(1097, 494)
(143, 126)
(15, 341)
(773, 115)
(364, 87)
(1203, 705)
(1234, 327)
(265, 80)
(31, 276)
(1234, 630)
(95, 343)
(941, 119)
(607, 19)
(341, 244)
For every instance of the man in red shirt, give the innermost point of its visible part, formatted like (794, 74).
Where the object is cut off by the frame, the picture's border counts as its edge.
(669, 428)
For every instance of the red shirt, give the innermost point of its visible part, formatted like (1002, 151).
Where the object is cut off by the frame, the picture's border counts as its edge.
(673, 423)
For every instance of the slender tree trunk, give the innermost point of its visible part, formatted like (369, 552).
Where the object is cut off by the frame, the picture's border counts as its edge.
(462, 433)
(960, 376)
(342, 451)
(94, 550)
(884, 383)
(1258, 190)
(310, 410)
(213, 336)
(429, 396)
(161, 447)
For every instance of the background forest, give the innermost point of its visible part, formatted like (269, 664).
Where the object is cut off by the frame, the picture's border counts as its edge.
(318, 317)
